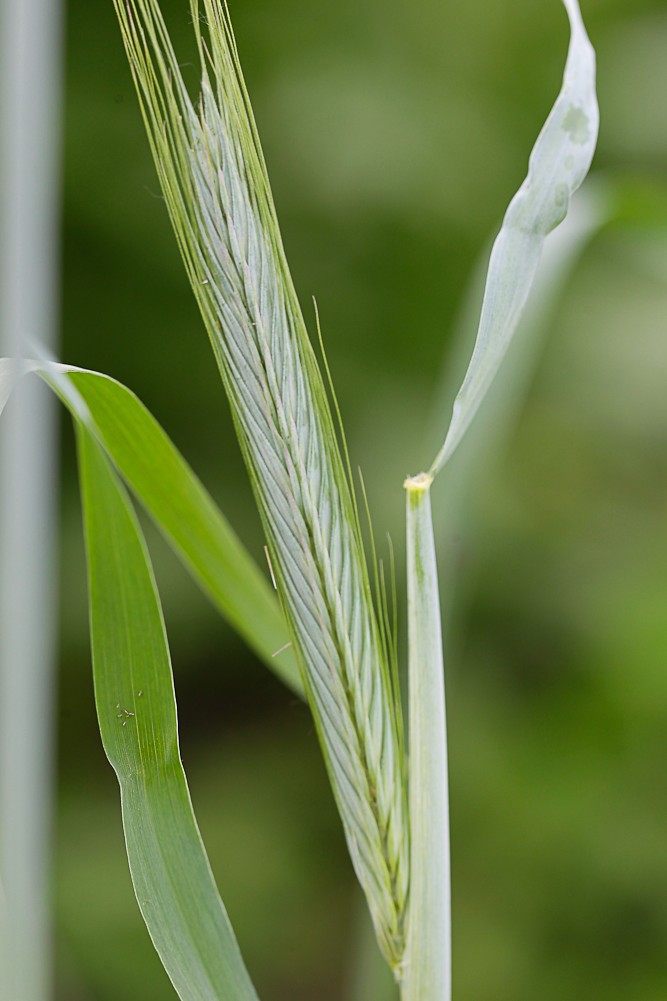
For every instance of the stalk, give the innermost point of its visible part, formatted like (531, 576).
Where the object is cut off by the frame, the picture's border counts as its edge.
(30, 72)
(427, 965)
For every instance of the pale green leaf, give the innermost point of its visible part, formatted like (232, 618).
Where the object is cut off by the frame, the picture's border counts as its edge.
(186, 513)
(136, 708)
(591, 211)
(558, 164)
(178, 503)
(427, 963)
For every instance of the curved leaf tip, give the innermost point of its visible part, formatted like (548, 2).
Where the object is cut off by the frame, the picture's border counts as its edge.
(559, 162)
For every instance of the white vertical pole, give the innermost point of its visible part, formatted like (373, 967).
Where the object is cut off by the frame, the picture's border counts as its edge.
(30, 70)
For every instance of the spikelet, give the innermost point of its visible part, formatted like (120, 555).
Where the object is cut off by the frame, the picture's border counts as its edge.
(214, 181)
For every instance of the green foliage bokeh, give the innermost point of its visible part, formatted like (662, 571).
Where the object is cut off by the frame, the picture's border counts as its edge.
(395, 135)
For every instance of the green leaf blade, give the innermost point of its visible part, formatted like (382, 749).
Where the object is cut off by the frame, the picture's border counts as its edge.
(137, 716)
(187, 515)
(176, 500)
(182, 509)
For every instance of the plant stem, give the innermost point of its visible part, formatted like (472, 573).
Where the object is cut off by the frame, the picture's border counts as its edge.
(427, 967)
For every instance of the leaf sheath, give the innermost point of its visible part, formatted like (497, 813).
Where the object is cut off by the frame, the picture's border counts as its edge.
(427, 967)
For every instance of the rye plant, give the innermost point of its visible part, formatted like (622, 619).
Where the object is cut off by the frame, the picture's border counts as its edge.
(325, 623)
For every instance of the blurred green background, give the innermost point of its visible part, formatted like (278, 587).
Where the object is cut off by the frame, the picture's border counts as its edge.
(395, 134)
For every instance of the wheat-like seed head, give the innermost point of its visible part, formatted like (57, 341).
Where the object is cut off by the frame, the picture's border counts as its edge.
(214, 180)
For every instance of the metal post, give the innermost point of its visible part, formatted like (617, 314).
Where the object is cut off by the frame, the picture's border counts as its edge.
(30, 70)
